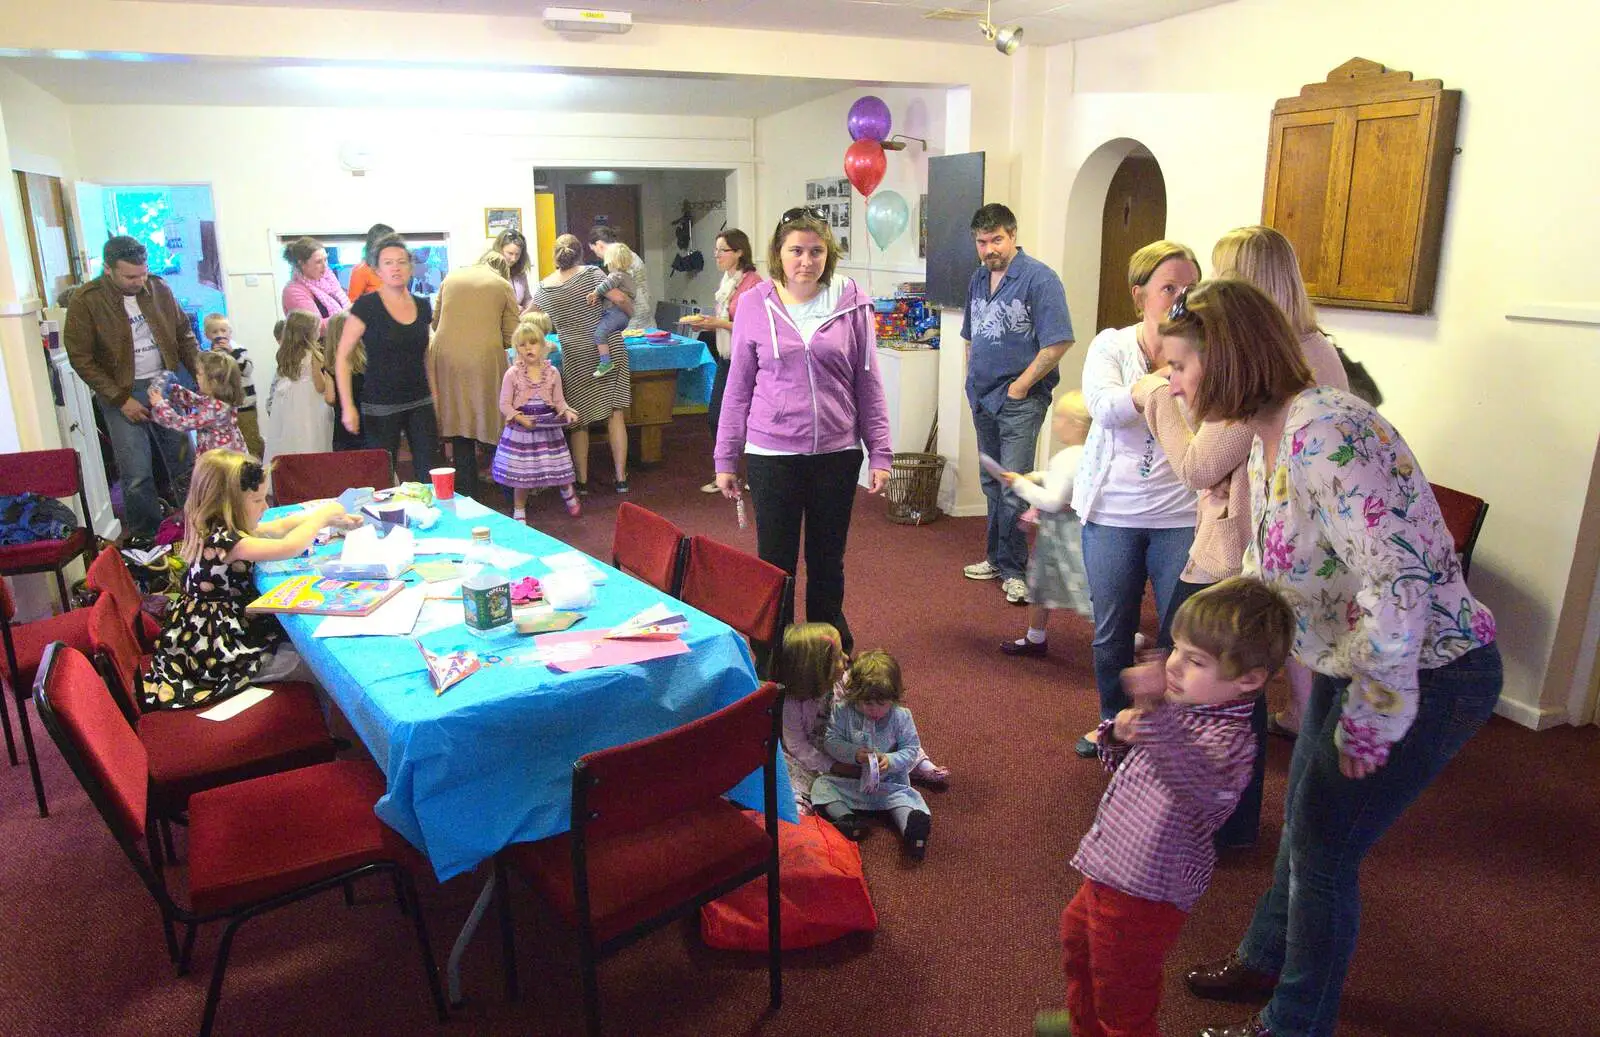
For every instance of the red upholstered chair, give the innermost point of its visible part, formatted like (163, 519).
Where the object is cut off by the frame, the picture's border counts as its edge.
(649, 547)
(25, 644)
(740, 589)
(188, 753)
(653, 838)
(253, 846)
(303, 477)
(1463, 516)
(50, 473)
(108, 574)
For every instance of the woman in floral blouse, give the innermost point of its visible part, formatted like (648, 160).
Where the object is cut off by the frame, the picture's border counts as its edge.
(1344, 524)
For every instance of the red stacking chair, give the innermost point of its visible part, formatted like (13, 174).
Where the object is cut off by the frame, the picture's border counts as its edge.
(188, 753)
(50, 473)
(649, 547)
(25, 644)
(253, 846)
(653, 838)
(740, 589)
(108, 574)
(303, 477)
(1463, 516)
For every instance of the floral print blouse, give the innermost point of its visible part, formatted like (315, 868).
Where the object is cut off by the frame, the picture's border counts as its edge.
(1346, 527)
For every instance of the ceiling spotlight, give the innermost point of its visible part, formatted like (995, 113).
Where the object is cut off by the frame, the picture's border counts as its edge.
(1006, 38)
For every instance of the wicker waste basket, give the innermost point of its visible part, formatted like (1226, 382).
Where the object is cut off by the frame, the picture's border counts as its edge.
(913, 490)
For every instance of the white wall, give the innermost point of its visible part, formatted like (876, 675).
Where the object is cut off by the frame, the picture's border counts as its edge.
(277, 170)
(808, 142)
(1487, 403)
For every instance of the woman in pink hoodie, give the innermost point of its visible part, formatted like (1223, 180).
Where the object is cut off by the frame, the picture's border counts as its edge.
(803, 395)
(314, 286)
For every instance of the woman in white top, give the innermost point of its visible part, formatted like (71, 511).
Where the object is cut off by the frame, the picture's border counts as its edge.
(1138, 517)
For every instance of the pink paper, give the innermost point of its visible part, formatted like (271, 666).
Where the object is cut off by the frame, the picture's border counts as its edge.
(607, 652)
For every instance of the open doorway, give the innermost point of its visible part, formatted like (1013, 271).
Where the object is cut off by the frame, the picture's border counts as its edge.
(1135, 214)
(670, 217)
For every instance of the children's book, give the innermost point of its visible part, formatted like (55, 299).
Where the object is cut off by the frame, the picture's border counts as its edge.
(319, 596)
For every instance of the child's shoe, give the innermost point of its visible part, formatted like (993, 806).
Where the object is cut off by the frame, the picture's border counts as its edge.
(605, 367)
(519, 515)
(573, 507)
(851, 826)
(928, 773)
(915, 840)
(1052, 1024)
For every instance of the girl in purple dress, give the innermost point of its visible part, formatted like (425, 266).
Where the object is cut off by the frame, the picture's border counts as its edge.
(533, 447)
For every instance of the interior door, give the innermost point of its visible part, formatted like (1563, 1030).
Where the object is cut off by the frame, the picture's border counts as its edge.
(612, 205)
(51, 238)
(1135, 215)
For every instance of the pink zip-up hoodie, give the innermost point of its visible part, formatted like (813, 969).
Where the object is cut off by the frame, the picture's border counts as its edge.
(817, 398)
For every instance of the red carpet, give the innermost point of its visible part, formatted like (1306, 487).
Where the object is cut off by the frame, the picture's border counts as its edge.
(1480, 907)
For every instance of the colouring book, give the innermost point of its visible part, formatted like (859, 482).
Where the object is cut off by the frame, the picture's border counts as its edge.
(319, 596)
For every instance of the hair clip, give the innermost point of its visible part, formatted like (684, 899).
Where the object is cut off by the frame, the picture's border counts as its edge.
(251, 475)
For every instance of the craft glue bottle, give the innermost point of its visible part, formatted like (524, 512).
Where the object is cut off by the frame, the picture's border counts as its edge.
(485, 590)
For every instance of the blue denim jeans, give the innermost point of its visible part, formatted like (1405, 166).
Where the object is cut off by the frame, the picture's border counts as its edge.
(134, 447)
(1304, 927)
(1012, 438)
(1119, 560)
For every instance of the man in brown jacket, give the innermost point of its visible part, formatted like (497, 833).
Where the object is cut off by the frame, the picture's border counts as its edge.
(123, 328)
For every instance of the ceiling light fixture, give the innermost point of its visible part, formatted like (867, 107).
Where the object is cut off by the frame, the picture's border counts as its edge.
(1006, 38)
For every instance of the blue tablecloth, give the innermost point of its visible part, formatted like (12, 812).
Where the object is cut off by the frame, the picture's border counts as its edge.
(489, 762)
(696, 367)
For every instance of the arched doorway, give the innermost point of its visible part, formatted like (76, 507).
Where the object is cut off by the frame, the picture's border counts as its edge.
(1135, 214)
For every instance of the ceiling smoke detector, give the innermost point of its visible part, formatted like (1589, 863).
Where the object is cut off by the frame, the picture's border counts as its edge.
(574, 19)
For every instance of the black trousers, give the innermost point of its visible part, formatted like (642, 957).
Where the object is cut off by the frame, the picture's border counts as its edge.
(464, 456)
(1244, 823)
(811, 494)
(714, 408)
(421, 428)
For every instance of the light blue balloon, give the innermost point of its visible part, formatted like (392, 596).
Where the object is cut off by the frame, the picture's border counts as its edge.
(888, 216)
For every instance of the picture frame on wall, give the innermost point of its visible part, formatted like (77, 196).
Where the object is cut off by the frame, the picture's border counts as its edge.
(497, 220)
(834, 197)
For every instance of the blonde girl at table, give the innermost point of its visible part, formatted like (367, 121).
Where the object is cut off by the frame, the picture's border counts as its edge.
(211, 648)
(533, 448)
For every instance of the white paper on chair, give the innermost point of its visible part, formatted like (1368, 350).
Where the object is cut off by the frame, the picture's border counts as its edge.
(575, 561)
(236, 704)
(394, 618)
(146, 557)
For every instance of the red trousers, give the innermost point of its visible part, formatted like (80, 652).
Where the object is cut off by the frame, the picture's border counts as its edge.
(1113, 946)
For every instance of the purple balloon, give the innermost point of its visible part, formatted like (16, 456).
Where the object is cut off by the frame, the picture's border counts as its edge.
(869, 119)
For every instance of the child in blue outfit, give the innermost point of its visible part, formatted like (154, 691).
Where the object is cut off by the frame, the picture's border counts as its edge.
(872, 729)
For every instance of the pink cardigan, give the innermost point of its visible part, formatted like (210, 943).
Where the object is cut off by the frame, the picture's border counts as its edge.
(517, 388)
(302, 294)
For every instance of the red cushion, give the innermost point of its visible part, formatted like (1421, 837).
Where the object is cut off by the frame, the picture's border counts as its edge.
(738, 588)
(640, 874)
(30, 639)
(42, 554)
(256, 839)
(97, 730)
(189, 753)
(646, 545)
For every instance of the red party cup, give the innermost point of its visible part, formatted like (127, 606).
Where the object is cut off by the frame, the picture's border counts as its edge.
(444, 483)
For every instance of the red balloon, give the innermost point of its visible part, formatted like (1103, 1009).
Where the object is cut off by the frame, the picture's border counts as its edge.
(864, 165)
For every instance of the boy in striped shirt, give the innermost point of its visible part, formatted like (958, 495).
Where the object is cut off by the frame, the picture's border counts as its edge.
(1179, 760)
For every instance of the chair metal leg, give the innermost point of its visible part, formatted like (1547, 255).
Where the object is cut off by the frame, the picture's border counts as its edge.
(187, 957)
(774, 941)
(166, 841)
(349, 894)
(33, 758)
(214, 992)
(171, 934)
(400, 896)
(5, 718)
(591, 988)
(429, 966)
(508, 935)
(61, 585)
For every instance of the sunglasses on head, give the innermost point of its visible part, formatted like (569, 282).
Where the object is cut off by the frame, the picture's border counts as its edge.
(802, 211)
(1180, 306)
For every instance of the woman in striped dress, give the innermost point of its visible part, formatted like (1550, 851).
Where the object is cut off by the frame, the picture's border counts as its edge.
(564, 295)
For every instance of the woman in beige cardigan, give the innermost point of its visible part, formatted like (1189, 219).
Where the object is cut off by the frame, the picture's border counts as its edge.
(473, 323)
(1211, 460)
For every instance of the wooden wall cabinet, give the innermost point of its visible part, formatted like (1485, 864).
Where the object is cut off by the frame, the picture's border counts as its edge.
(1357, 172)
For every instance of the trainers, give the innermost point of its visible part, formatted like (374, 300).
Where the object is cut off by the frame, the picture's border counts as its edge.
(851, 826)
(605, 367)
(1016, 590)
(710, 487)
(984, 570)
(1025, 649)
(622, 486)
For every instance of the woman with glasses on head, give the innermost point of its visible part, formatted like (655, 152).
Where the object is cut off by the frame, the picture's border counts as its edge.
(803, 395)
(396, 396)
(1345, 525)
(739, 275)
(1138, 518)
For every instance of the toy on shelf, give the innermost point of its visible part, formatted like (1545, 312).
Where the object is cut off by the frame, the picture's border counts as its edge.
(905, 320)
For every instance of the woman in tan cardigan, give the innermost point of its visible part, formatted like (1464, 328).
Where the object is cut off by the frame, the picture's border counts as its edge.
(473, 324)
(1211, 459)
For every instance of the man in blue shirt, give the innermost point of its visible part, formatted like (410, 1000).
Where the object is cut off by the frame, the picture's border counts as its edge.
(1017, 329)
